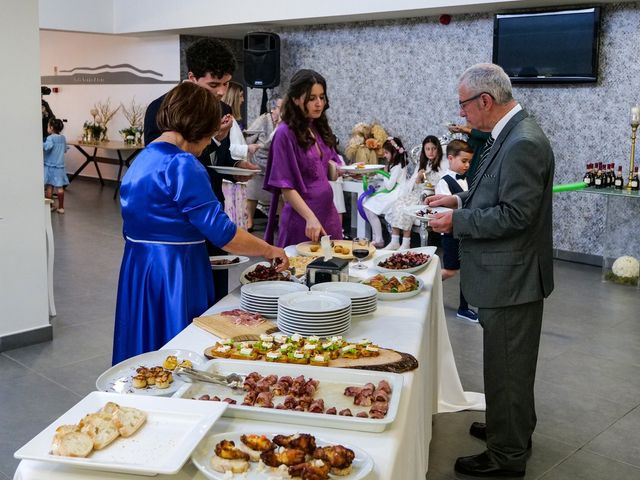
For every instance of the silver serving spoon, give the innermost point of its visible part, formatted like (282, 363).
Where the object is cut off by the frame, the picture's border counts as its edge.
(233, 380)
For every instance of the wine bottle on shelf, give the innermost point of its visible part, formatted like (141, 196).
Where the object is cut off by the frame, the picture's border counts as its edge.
(618, 183)
(635, 181)
(587, 176)
(599, 180)
(610, 175)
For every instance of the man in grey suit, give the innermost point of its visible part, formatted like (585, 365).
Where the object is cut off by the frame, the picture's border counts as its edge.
(504, 225)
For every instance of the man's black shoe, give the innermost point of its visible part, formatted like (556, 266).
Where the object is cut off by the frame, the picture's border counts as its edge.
(481, 465)
(479, 430)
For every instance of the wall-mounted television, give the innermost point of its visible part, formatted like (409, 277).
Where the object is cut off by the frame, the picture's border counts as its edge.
(558, 46)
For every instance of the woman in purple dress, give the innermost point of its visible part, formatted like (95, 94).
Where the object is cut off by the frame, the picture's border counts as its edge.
(298, 165)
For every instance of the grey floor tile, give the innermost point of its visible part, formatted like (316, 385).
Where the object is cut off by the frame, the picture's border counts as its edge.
(9, 369)
(90, 308)
(591, 374)
(79, 377)
(589, 466)
(571, 416)
(33, 402)
(621, 441)
(69, 345)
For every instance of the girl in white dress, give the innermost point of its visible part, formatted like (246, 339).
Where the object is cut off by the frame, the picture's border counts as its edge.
(430, 169)
(385, 197)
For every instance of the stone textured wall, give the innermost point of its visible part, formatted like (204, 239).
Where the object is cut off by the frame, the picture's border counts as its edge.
(404, 74)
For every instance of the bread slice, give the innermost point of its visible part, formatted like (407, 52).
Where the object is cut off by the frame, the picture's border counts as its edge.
(101, 428)
(223, 465)
(128, 420)
(68, 441)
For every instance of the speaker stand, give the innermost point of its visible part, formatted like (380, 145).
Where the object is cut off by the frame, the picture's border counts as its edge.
(263, 105)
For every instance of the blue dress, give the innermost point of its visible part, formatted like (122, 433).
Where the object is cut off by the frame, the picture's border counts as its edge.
(168, 208)
(54, 147)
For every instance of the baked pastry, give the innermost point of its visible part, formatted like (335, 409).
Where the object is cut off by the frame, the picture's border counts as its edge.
(127, 420)
(349, 351)
(276, 356)
(101, 428)
(320, 360)
(68, 441)
(170, 362)
(163, 381)
(297, 357)
(139, 381)
(244, 353)
(220, 351)
(224, 465)
(186, 364)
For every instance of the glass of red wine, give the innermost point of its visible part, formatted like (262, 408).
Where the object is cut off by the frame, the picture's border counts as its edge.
(360, 250)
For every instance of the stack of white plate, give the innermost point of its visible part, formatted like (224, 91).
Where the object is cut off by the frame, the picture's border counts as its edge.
(262, 297)
(314, 313)
(364, 299)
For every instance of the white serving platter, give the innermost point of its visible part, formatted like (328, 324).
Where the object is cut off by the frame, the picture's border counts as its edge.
(413, 210)
(366, 168)
(162, 445)
(228, 265)
(431, 251)
(402, 295)
(362, 463)
(332, 384)
(251, 268)
(118, 379)
(241, 172)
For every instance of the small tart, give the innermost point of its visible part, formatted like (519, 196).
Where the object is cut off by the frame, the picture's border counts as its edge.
(139, 381)
(170, 362)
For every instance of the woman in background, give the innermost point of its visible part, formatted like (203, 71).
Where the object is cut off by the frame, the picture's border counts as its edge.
(298, 165)
(168, 209)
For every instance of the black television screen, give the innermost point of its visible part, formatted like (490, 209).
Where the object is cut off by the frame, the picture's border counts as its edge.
(548, 47)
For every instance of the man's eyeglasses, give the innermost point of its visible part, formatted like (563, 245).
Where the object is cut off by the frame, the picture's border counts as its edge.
(462, 103)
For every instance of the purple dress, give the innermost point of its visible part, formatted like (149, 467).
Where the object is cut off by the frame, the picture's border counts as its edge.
(291, 166)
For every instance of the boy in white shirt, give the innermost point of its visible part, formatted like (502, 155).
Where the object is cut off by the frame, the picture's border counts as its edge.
(459, 154)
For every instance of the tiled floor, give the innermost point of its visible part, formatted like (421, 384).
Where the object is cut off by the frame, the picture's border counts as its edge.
(588, 387)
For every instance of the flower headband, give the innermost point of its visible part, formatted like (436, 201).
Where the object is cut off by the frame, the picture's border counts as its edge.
(400, 150)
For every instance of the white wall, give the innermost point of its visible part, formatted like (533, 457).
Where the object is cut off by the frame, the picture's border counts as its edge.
(23, 289)
(67, 50)
(77, 15)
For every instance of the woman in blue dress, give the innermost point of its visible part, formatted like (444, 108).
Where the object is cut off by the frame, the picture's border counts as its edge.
(168, 209)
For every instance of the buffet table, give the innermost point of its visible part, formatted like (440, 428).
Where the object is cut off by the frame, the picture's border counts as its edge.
(414, 325)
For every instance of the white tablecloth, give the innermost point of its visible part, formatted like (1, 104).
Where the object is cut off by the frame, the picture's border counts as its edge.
(416, 325)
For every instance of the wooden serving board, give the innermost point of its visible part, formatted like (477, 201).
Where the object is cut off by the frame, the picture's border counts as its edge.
(387, 361)
(223, 327)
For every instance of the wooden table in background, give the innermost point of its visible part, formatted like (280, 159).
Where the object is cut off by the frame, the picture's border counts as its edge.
(121, 161)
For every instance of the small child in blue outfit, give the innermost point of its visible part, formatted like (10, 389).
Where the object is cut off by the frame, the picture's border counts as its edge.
(459, 154)
(54, 173)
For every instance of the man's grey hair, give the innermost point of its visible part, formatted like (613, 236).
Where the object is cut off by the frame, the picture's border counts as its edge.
(489, 78)
(273, 101)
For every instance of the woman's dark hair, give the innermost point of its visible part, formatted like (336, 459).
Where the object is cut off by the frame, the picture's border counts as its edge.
(394, 146)
(435, 165)
(56, 125)
(192, 111)
(209, 55)
(301, 84)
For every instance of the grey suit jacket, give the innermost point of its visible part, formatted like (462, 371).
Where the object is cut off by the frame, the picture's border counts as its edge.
(505, 223)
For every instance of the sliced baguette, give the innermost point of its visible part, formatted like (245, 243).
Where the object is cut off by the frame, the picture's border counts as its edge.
(71, 444)
(128, 420)
(101, 428)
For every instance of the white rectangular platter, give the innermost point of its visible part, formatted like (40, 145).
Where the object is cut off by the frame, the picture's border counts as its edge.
(173, 429)
(333, 381)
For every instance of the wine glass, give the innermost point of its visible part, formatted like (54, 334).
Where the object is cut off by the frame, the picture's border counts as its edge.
(360, 249)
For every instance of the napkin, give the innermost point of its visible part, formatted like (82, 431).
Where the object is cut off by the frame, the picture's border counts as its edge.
(326, 248)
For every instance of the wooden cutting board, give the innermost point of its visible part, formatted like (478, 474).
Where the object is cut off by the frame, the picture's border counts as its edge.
(222, 327)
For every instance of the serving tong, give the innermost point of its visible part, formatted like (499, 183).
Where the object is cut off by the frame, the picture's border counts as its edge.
(233, 380)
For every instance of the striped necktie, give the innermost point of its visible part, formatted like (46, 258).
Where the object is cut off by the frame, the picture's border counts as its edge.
(483, 156)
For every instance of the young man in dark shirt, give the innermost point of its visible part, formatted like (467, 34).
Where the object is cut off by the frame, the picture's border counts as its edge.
(211, 65)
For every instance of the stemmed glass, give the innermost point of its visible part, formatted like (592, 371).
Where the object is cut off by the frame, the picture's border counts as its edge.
(360, 249)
